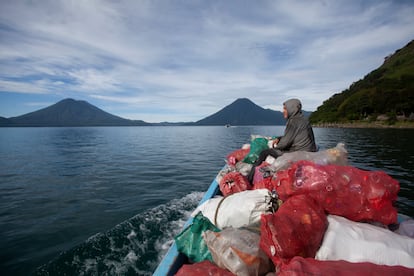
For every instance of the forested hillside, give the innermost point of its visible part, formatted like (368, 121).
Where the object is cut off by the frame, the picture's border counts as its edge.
(386, 91)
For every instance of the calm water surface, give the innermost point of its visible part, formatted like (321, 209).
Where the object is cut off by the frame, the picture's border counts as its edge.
(109, 200)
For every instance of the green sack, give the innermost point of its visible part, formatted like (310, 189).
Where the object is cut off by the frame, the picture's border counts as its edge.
(190, 241)
(256, 147)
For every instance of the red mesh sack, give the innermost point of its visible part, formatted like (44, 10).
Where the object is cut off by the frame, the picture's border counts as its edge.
(342, 190)
(296, 229)
(206, 268)
(265, 183)
(236, 156)
(233, 182)
(299, 266)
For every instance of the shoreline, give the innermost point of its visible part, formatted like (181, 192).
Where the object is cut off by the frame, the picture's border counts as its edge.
(377, 124)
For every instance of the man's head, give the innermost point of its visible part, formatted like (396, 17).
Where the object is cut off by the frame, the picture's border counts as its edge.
(291, 107)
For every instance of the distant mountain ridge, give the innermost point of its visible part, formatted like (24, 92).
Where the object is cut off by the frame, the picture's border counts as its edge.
(70, 112)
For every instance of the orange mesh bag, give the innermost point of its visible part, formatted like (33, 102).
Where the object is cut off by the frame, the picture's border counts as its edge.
(296, 229)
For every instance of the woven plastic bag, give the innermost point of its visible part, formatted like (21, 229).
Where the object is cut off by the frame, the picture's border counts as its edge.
(337, 155)
(238, 250)
(363, 242)
(190, 241)
(256, 147)
(239, 209)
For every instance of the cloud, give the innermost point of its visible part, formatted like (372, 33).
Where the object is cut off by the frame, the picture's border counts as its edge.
(184, 60)
(22, 87)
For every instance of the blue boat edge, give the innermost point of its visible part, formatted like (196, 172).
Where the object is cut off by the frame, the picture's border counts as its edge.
(173, 260)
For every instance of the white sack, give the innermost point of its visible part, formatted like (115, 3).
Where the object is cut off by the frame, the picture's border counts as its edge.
(362, 242)
(238, 209)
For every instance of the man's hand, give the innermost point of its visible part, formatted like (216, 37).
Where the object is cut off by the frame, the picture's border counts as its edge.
(275, 142)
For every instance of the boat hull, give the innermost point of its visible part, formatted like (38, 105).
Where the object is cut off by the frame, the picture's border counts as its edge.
(173, 260)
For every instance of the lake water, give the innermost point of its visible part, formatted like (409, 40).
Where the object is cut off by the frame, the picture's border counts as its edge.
(109, 200)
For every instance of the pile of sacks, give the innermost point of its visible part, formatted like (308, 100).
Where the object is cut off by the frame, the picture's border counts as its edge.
(304, 214)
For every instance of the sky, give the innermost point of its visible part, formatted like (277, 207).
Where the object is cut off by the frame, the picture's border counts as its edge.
(183, 60)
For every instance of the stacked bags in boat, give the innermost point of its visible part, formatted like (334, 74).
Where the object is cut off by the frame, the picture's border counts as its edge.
(239, 164)
(229, 234)
(305, 214)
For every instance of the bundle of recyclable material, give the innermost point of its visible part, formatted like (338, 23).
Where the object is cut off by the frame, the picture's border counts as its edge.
(296, 229)
(362, 242)
(243, 168)
(239, 209)
(236, 156)
(334, 156)
(241, 160)
(202, 268)
(263, 172)
(234, 182)
(346, 191)
(190, 241)
(240, 167)
(312, 267)
(225, 170)
(256, 147)
(238, 250)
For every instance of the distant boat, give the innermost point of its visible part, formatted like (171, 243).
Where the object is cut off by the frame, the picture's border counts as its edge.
(227, 125)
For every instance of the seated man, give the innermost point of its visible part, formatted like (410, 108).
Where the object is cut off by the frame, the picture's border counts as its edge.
(298, 135)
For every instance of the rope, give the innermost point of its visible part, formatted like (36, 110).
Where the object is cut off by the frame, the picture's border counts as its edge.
(218, 207)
